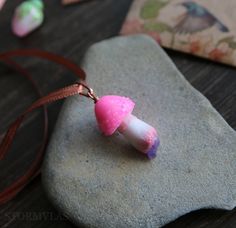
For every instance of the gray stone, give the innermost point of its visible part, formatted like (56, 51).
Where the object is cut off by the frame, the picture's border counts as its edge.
(99, 181)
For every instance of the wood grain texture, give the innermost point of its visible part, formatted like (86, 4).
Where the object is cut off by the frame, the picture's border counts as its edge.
(69, 31)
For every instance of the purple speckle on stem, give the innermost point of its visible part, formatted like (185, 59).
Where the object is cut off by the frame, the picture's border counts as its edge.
(153, 150)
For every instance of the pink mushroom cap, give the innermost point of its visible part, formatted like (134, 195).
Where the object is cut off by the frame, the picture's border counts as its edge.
(110, 111)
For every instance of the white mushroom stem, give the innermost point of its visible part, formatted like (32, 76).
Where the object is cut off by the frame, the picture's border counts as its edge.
(140, 134)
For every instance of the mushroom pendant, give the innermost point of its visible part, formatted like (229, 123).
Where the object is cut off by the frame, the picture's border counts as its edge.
(113, 113)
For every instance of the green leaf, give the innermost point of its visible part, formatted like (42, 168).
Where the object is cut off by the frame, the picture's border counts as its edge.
(183, 42)
(158, 27)
(232, 45)
(151, 8)
(226, 40)
(229, 40)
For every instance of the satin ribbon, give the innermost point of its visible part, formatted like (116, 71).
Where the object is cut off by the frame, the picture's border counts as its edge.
(78, 88)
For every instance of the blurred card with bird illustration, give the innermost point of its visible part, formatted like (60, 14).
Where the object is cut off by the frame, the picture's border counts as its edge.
(200, 27)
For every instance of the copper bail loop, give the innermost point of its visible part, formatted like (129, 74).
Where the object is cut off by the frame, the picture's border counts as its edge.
(87, 92)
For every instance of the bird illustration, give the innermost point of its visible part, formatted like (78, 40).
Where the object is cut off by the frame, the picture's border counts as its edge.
(197, 18)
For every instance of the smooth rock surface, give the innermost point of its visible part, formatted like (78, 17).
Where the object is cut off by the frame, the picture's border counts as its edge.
(100, 181)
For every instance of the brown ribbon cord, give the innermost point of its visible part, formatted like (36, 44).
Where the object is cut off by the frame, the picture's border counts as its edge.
(77, 88)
